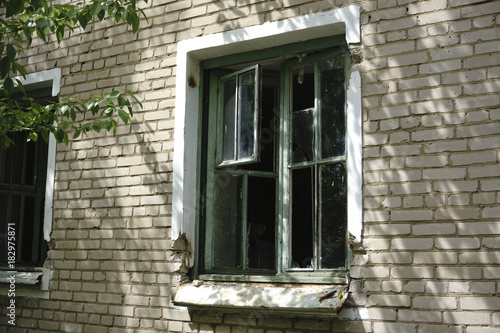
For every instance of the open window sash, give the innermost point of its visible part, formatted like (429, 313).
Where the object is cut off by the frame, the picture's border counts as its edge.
(238, 114)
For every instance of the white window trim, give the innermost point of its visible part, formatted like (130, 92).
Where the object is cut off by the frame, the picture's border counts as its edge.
(53, 77)
(32, 81)
(345, 20)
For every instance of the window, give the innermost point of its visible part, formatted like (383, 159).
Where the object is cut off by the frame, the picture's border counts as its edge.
(340, 26)
(23, 169)
(274, 179)
(26, 192)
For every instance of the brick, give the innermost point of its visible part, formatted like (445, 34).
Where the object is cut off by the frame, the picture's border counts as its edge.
(429, 135)
(480, 303)
(458, 273)
(382, 314)
(389, 300)
(435, 258)
(435, 302)
(438, 16)
(457, 213)
(473, 158)
(457, 243)
(412, 215)
(427, 328)
(483, 288)
(412, 273)
(394, 327)
(434, 229)
(481, 257)
(419, 316)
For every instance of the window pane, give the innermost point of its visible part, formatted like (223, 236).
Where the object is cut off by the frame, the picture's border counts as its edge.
(267, 135)
(333, 215)
(229, 121)
(26, 238)
(303, 136)
(303, 87)
(332, 96)
(30, 162)
(227, 221)
(261, 222)
(246, 111)
(302, 218)
(4, 219)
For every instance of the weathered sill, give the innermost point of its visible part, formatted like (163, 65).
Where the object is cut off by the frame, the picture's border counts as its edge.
(23, 278)
(293, 298)
(27, 282)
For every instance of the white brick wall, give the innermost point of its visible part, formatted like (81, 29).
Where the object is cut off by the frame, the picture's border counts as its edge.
(431, 196)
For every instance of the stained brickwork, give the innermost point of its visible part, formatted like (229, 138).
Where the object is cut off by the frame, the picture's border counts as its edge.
(430, 255)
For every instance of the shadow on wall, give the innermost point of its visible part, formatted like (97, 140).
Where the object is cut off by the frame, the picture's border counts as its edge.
(431, 168)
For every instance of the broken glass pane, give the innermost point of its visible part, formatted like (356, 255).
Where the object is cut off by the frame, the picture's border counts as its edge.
(332, 107)
(246, 115)
(333, 215)
(302, 87)
(302, 218)
(227, 221)
(261, 221)
(303, 136)
(228, 128)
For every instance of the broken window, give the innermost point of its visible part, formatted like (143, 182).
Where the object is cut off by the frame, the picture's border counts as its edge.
(274, 179)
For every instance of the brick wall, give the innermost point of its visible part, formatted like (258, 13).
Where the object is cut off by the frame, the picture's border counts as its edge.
(429, 260)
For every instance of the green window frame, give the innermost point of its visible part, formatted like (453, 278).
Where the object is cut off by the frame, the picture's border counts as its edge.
(238, 241)
(238, 117)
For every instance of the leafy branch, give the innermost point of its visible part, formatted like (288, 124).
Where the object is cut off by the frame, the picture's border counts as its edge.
(26, 20)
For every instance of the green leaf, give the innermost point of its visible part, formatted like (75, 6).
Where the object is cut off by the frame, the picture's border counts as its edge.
(101, 14)
(95, 109)
(132, 18)
(84, 19)
(14, 7)
(32, 136)
(6, 141)
(122, 101)
(111, 95)
(97, 126)
(66, 139)
(123, 115)
(96, 8)
(89, 105)
(135, 98)
(59, 135)
(20, 69)
(72, 13)
(45, 134)
(42, 22)
(64, 110)
(8, 87)
(86, 127)
(144, 14)
(72, 114)
(28, 32)
(109, 124)
(11, 52)
(38, 4)
(41, 33)
(76, 134)
(60, 33)
(107, 112)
